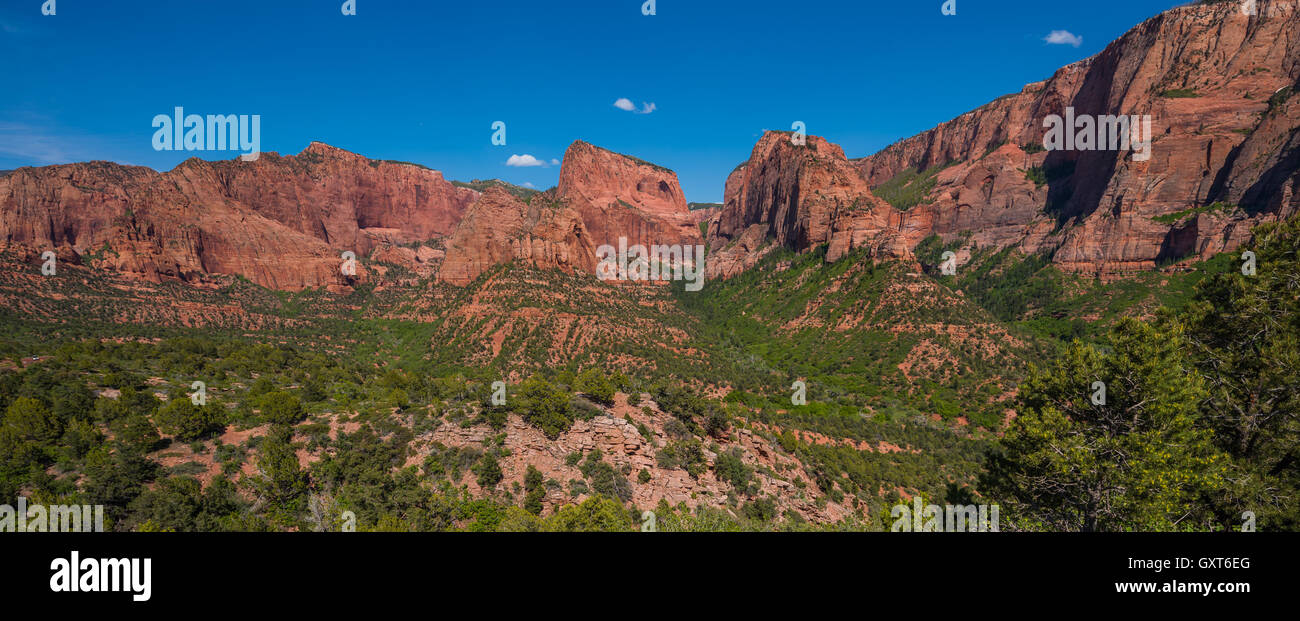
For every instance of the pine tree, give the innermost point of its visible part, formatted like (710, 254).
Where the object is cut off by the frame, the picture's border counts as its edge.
(1137, 462)
(1245, 336)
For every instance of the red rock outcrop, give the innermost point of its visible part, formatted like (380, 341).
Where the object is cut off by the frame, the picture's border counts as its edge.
(282, 222)
(620, 196)
(1204, 73)
(500, 228)
(799, 196)
(616, 436)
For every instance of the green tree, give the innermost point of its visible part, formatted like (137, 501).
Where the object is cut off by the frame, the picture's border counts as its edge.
(488, 471)
(18, 459)
(1138, 462)
(188, 422)
(1245, 336)
(32, 420)
(594, 384)
(281, 408)
(135, 434)
(534, 490)
(595, 514)
(283, 481)
(545, 406)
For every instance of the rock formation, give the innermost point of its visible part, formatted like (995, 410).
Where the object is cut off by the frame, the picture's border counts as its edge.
(1213, 81)
(500, 228)
(282, 222)
(799, 196)
(620, 196)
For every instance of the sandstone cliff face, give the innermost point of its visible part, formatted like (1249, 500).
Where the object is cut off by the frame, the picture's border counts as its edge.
(798, 196)
(338, 196)
(500, 228)
(1225, 144)
(619, 196)
(282, 222)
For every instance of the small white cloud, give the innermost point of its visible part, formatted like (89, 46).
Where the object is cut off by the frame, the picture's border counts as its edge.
(555, 162)
(1063, 37)
(529, 185)
(524, 161)
(626, 105)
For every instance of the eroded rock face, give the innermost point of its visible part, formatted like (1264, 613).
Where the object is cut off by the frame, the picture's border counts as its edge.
(619, 196)
(500, 228)
(1226, 143)
(799, 196)
(624, 447)
(281, 222)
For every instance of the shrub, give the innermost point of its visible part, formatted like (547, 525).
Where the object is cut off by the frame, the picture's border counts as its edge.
(488, 471)
(594, 384)
(281, 408)
(545, 406)
(186, 421)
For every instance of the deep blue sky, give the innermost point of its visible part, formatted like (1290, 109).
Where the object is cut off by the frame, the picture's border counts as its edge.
(423, 80)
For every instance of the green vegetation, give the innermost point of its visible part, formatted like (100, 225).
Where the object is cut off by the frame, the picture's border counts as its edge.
(1177, 217)
(1197, 427)
(909, 381)
(1036, 174)
(480, 185)
(910, 187)
(1278, 99)
(1133, 463)
(1179, 93)
(1030, 294)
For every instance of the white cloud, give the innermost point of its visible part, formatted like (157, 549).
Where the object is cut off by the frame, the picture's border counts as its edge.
(626, 105)
(524, 161)
(555, 162)
(1063, 37)
(529, 185)
(37, 146)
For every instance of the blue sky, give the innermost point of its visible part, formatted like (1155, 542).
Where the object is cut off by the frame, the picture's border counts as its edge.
(423, 80)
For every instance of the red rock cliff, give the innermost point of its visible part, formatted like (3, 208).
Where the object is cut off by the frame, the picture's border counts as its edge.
(282, 222)
(500, 228)
(1205, 74)
(798, 196)
(620, 196)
